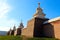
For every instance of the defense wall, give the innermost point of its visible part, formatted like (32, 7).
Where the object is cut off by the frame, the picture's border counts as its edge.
(52, 29)
(29, 30)
(34, 28)
(56, 25)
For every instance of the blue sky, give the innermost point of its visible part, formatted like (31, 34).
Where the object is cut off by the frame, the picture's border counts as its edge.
(13, 11)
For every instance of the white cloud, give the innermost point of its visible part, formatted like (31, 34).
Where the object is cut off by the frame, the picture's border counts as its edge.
(4, 8)
(3, 28)
(5, 23)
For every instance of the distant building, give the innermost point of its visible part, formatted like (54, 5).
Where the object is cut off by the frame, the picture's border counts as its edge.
(19, 29)
(16, 31)
(9, 32)
(39, 26)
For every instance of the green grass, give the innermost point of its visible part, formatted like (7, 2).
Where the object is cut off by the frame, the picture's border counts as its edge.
(42, 39)
(10, 38)
(23, 38)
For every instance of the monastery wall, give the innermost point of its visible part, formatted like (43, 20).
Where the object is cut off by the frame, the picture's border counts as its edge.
(29, 30)
(56, 25)
(52, 29)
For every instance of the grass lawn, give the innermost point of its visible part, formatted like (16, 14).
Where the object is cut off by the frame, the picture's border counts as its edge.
(23, 38)
(10, 38)
(42, 39)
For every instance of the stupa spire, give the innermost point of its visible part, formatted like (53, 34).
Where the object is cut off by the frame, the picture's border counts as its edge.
(10, 29)
(39, 12)
(21, 25)
(39, 5)
(14, 28)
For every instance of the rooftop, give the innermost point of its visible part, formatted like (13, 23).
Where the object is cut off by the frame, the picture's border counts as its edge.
(52, 20)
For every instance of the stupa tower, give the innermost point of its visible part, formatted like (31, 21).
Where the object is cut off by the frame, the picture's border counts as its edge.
(39, 12)
(21, 25)
(34, 25)
(14, 28)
